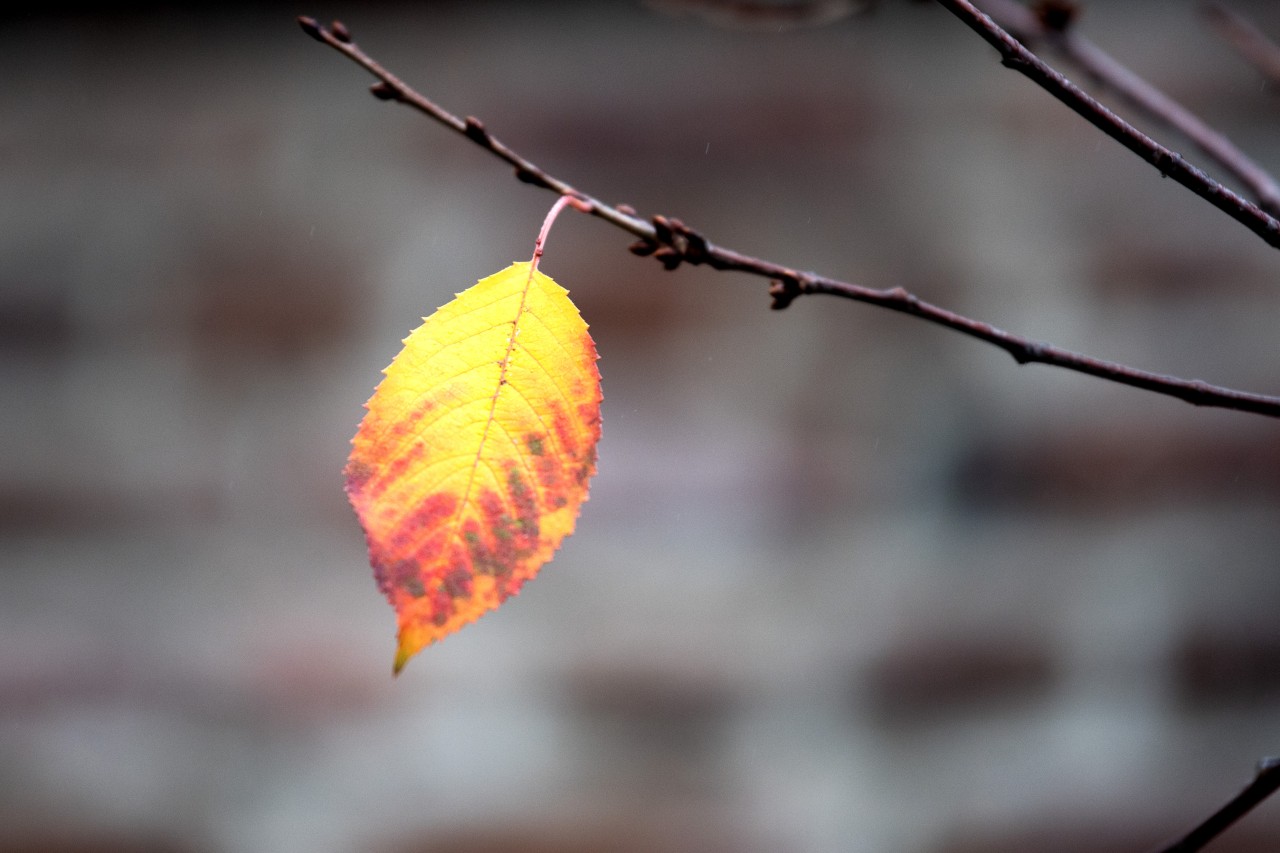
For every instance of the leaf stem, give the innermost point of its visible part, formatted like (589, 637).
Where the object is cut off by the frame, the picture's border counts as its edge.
(541, 242)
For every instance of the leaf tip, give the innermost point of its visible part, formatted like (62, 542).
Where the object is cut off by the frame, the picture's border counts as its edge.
(405, 649)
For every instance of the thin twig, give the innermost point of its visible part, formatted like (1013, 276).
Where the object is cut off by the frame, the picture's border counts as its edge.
(392, 88)
(672, 242)
(1250, 42)
(1264, 784)
(1107, 71)
(1170, 164)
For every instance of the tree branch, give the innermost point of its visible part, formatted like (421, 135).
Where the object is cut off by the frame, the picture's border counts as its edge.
(672, 242)
(1264, 784)
(1250, 42)
(1170, 164)
(1103, 68)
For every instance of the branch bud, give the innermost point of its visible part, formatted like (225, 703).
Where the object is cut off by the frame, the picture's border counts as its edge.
(783, 291)
(311, 27)
(662, 226)
(528, 177)
(475, 131)
(668, 257)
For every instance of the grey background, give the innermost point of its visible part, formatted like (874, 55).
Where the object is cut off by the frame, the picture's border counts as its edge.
(846, 582)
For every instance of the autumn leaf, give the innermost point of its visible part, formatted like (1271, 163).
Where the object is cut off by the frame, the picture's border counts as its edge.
(473, 459)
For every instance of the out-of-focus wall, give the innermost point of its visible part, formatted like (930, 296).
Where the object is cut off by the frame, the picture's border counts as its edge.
(846, 582)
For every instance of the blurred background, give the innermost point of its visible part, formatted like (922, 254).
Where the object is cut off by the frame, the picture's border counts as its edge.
(846, 581)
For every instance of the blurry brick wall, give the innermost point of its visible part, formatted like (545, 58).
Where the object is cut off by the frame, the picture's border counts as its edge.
(846, 582)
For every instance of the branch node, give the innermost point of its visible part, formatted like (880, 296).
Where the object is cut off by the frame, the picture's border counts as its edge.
(384, 92)
(625, 208)
(340, 32)
(528, 177)
(1029, 352)
(696, 250)
(662, 229)
(474, 130)
(1166, 162)
(643, 248)
(783, 291)
(580, 202)
(311, 27)
(900, 294)
(669, 257)
(690, 243)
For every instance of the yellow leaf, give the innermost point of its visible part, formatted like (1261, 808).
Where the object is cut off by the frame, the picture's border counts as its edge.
(473, 459)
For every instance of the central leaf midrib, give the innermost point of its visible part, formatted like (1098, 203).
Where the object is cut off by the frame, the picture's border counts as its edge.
(504, 365)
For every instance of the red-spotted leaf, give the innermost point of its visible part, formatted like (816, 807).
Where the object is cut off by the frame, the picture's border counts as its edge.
(474, 456)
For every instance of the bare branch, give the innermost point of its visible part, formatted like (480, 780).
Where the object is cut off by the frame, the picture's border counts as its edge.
(1264, 784)
(672, 243)
(391, 88)
(1170, 164)
(1031, 28)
